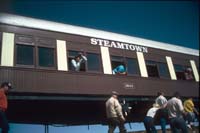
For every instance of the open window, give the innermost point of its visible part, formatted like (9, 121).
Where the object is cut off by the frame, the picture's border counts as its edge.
(71, 58)
(116, 62)
(180, 72)
(152, 69)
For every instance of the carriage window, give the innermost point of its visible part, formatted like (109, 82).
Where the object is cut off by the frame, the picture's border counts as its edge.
(93, 62)
(179, 70)
(163, 70)
(73, 59)
(46, 57)
(25, 55)
(152, 69)
(118, 65)
(132, 66)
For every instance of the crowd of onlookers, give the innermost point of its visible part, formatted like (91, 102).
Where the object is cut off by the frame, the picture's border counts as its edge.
(180, 116)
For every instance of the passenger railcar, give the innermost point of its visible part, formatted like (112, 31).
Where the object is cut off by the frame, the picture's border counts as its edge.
(35, 56)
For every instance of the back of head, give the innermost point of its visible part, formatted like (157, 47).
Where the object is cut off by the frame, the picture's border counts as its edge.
(8, 84)
(159, 93)
(176, 94)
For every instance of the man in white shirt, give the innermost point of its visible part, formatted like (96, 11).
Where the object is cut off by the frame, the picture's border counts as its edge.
(77, 61)
(176, 112)
(162, 112)
(114, 114)
(149, 119)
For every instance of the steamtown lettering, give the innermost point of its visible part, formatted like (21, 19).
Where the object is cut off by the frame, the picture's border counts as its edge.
(119, 45)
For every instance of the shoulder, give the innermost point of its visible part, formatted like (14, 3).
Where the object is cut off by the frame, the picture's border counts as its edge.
(2, 93)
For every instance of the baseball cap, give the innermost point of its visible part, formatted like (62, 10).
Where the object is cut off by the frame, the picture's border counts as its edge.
(7, 84)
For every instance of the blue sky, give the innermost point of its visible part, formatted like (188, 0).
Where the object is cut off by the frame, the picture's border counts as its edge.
(175, 22)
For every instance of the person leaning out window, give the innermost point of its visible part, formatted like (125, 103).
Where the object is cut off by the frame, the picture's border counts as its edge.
(77, 61)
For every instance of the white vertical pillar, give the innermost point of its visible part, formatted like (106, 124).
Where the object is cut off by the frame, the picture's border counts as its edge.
(195, 71)
(142, 65)
(7, 52)
(171, 68)
(62, 55)
(106, 60)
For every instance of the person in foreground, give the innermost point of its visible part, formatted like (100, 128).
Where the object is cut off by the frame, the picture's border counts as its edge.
(176, 113)
(149, 119)
(190, 110)
(162, 113)
(5, 87)
(114, 114)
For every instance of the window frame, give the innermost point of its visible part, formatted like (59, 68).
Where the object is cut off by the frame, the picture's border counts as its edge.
(54, 57)
(116, 60)
(126, 61)
(157, 64)
(35, 41)
(182, 72)
(86, 64)
(152, 64)
(161, 76)
(69, 61)
(22, 65)
(100, 63)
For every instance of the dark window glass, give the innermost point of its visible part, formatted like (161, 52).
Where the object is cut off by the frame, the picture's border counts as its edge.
(46, 57)
(152, 69)
(93, 62)
(25, 54)
(132, 66)
(179, 70)
(163, 70)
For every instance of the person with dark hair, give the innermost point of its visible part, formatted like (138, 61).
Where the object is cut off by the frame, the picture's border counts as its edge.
(176, 112)
(5, 87)
(77, 61)
(162, 114)
(114, 114)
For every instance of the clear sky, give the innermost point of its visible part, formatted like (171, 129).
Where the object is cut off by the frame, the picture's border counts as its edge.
(175, 22)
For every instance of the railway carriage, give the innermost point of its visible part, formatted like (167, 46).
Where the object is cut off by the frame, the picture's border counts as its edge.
(35, 56)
